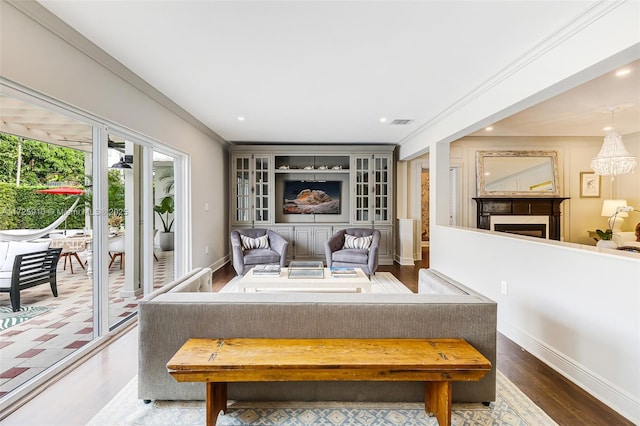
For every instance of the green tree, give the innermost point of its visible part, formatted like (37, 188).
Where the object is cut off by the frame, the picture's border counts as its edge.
(41, 162)
(8, 158)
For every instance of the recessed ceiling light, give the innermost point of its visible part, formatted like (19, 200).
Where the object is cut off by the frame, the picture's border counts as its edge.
(488, 129)
(383, 119)
(623, 72)
(240, 118)
(606, 129)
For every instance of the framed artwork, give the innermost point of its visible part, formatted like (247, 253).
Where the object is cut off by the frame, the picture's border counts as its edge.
(589, 185)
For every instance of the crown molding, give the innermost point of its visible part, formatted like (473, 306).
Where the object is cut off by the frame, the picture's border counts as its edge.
(588, 16)
(64, 31)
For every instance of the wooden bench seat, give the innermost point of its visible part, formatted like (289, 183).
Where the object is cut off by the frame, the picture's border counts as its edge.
(437, 362)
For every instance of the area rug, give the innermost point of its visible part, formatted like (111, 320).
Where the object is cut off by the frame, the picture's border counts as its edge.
(8, 318)
(381, 282)
(511, 407)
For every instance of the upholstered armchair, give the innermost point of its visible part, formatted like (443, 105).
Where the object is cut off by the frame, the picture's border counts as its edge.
(354, 248)
(251, 247)
(626, 239)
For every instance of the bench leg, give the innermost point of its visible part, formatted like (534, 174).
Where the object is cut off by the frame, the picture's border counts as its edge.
(437, 401)
(216, 401)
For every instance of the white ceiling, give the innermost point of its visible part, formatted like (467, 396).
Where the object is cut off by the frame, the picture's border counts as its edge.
(326, 72)
(582, 111)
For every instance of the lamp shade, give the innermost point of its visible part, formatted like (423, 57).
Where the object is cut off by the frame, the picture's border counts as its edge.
(610, 207)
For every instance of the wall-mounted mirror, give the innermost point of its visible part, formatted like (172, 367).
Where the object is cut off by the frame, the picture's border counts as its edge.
(526, 173)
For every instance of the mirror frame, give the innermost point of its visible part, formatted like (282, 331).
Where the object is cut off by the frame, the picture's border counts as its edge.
(480, 170)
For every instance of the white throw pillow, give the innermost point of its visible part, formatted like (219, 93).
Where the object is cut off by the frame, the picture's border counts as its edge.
(19, 247)
(352, 242)
(254, 243)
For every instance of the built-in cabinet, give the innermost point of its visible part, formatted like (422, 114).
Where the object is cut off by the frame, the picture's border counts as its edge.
(359, 177)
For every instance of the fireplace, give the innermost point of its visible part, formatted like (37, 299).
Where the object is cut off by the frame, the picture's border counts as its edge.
(532, 226)
(532, 216)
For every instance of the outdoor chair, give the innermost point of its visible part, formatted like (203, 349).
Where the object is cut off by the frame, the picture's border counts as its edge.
(30, 270)
(354, 248)
(253, 247)
(116, 250)
(70, 248)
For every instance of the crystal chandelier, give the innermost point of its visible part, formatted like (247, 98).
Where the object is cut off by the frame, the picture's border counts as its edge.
(613, 158)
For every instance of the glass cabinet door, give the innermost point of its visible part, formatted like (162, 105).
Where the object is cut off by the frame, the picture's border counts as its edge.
(242, 189)
(261, 209)
(361, 178)
(251, 189)
(381, 189)
(372, 189)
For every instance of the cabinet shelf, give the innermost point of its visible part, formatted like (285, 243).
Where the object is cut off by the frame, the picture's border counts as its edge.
(307, 171)
(299, 162)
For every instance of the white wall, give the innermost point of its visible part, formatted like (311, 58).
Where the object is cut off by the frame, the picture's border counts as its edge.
(575, 307)
(577, 310)
(32, 56)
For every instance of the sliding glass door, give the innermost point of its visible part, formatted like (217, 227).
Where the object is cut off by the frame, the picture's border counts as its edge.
(117, 242)
(164, 220)
(46, 199)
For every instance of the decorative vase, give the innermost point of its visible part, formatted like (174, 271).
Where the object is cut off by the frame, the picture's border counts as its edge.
(165, 239)
(607, 244)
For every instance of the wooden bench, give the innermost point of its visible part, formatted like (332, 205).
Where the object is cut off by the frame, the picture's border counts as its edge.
(437, 362)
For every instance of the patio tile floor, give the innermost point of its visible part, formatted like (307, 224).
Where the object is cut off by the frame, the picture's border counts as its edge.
(32, 346)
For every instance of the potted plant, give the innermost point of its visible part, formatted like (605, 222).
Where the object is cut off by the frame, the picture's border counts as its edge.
(115, 223)
(606, 237)
(164, 209)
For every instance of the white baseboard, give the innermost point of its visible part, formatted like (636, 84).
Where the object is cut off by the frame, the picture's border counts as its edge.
(605, 391)
(220, 263)
(404, 260)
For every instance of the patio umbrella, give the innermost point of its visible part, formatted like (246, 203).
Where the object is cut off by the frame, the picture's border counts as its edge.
(62, 190)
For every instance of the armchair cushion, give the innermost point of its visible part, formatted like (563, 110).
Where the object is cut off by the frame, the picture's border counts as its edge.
(260, 256)
(20, 247)
(351, 256)
(254, 243)
(353, 242)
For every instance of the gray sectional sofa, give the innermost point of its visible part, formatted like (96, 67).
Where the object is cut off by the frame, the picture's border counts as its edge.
(186, 308)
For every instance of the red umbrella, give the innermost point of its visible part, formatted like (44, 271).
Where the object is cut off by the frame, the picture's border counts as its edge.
(62, 190)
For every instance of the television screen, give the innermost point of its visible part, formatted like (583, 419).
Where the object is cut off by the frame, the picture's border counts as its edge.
(311, 197)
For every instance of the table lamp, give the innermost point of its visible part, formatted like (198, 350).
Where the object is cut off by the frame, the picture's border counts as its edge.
(610, 209)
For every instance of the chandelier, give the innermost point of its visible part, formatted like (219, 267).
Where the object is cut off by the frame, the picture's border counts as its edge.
(613, 158)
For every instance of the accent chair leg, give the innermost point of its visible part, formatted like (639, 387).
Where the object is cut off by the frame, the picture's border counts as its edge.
(75, 254)
(54, 287)
(14, 295)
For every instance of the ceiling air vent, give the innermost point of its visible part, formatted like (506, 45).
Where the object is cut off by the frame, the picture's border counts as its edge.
(401, 122)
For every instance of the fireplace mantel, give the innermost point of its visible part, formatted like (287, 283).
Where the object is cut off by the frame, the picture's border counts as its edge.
(520, 206)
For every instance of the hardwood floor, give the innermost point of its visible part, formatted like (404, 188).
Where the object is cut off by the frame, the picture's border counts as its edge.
(77, 397)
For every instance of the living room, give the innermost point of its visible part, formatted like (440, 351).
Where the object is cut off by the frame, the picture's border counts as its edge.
(571, 306)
